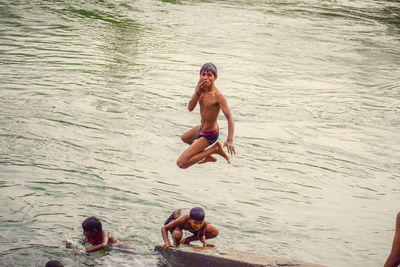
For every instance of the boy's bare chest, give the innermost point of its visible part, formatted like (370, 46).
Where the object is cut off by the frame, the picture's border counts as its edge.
(208, 102)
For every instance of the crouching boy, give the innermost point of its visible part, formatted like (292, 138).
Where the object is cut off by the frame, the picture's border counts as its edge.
(191, 220)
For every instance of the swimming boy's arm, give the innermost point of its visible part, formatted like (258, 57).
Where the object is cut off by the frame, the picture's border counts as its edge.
(196, 95)
(231, 127)
(100, 246)
(164, 230)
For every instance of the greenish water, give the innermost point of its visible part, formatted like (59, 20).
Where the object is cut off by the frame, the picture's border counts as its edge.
(93, 100)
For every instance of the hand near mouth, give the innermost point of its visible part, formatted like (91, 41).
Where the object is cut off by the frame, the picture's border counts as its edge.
(204, 84)
(201, 86)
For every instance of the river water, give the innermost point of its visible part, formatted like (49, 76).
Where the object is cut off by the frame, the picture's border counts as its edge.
(93, 101)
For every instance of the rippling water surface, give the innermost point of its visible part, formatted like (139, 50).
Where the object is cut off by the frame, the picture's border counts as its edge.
(93, 101)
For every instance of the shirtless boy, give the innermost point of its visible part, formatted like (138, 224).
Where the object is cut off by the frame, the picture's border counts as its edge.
(202, 136)
(191, 220)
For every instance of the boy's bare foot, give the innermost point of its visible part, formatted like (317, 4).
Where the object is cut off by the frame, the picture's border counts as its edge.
(185, 241)
(221, 151)
(208, 159)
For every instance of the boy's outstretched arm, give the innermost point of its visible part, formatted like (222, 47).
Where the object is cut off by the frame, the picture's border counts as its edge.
(164, 231)
(231, 127)
(164, 234)
(100, 246)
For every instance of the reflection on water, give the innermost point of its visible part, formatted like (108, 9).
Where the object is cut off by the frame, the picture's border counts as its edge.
(93, 102)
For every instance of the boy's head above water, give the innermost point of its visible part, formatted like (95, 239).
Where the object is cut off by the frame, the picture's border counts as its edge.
(54, 264)
(209, 67)
(92, 225)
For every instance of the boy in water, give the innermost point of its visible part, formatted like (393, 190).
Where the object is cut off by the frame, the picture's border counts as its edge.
(191, 220)
(93, 231)
(54, 264)
(394, 258)
(95, 235)
(201, 136)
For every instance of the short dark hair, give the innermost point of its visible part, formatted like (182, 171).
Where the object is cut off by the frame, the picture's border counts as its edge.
(209, 67)
(197, 214)
(54, 264)
(92, 224)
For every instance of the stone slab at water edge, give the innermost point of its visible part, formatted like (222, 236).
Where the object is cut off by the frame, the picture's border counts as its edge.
(194, 256)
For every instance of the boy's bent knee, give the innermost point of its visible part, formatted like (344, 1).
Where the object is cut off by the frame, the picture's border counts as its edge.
(215, 232)
(212, 233)
(177, 235)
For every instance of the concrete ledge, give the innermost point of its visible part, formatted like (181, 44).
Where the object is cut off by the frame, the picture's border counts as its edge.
(194, 256)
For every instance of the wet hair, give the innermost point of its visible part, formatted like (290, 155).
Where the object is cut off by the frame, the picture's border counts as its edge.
(209, 67)
(54, 264)
(92, 224)
(197, 214)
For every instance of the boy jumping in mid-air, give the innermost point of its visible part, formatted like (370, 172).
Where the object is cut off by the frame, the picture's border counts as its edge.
(191, 220)
(201, 136)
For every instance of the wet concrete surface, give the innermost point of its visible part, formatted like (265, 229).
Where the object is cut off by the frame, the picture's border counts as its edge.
(195, 256)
